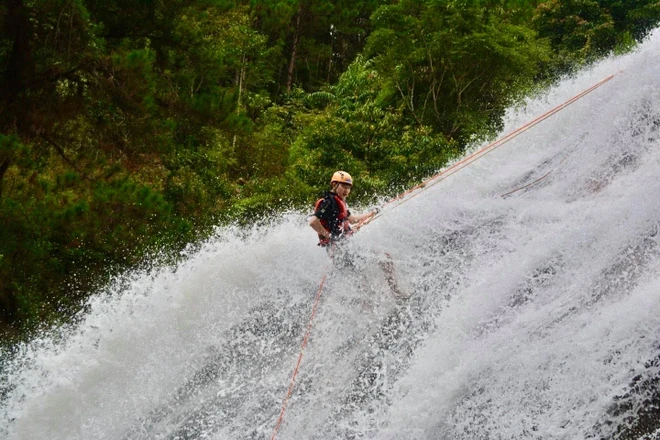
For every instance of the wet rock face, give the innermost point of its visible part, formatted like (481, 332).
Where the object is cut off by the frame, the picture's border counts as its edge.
(637, 412)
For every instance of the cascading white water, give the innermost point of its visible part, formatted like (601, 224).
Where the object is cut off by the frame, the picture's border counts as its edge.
(529, 318)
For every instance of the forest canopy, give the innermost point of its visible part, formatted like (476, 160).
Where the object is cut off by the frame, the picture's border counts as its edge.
(129, 129)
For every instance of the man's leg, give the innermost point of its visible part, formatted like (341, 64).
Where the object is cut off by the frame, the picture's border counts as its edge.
(388, 268)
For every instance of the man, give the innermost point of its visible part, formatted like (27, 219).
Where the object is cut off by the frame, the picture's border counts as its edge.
(332, 222)
(332, 219)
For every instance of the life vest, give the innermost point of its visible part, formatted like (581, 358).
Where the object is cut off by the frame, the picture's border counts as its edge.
(341, 222)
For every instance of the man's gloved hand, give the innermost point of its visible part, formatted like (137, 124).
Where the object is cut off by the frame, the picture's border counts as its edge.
(326, 241)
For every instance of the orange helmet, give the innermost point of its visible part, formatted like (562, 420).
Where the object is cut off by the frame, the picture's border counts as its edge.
(341, 177)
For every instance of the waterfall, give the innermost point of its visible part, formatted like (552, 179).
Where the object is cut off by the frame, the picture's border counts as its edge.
(534, 314)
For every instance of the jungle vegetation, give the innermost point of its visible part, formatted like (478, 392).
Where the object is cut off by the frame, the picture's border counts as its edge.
(130, 128)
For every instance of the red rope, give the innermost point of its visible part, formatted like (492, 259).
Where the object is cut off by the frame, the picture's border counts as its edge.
(482, 152)
(302, 349)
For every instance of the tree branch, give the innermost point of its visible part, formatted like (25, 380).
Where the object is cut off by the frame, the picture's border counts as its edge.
(60, 151)
(409, 103)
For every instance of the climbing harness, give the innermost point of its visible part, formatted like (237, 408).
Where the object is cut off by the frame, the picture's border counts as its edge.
(425, 185)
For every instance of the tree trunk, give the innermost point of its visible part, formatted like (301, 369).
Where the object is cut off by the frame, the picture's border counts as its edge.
(18, 68)
(332, 53)
(239, 104)
(294, 49)
(4, 166)
(17, 72)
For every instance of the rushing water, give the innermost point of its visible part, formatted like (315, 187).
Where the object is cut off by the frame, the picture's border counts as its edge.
(532, 316)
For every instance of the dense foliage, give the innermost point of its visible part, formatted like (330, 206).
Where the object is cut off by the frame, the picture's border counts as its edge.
(130, 128)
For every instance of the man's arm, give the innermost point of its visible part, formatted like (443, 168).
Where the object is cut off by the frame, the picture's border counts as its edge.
(315, 223)
(355, 218)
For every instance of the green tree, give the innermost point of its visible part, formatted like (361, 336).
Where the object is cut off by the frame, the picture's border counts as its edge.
(316, 39)
(118, 124)
(582, 30)
(454, 66)
(577, 29)
(354, 126)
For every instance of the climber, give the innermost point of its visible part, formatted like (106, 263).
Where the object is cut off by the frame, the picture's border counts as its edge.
(332, 222)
